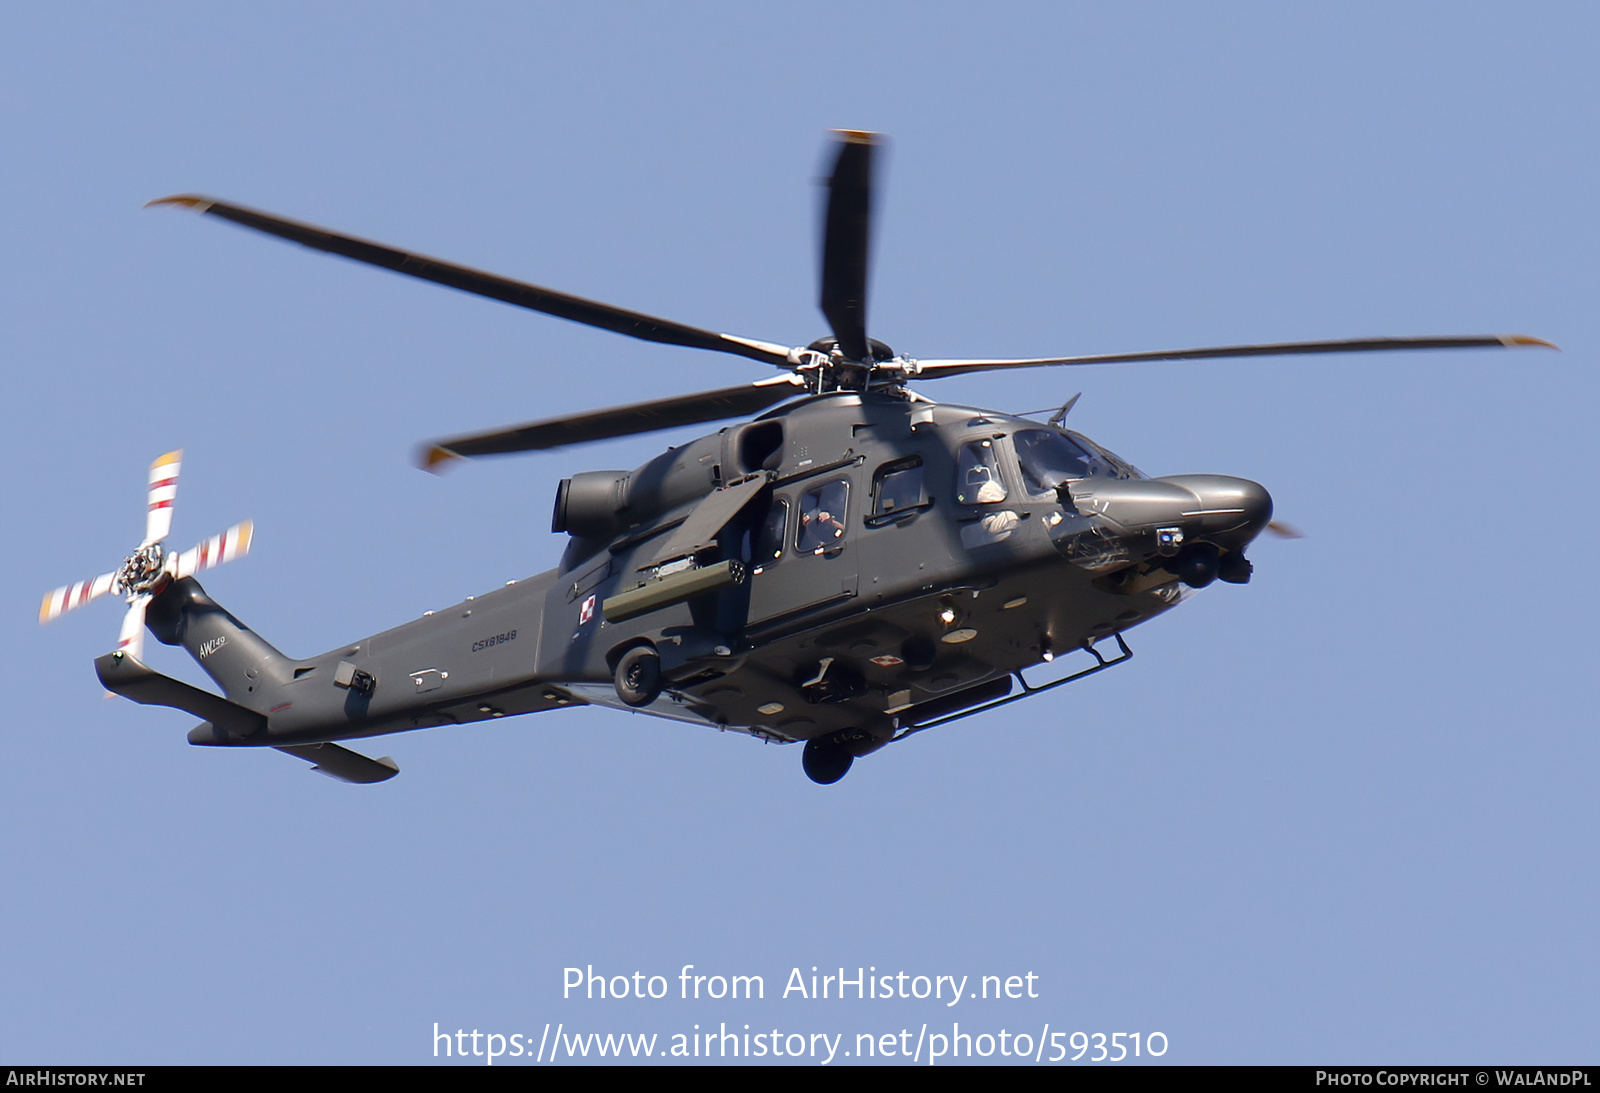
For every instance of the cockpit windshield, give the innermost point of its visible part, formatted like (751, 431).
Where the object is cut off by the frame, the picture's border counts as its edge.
(1049, 457)
(1116, 466)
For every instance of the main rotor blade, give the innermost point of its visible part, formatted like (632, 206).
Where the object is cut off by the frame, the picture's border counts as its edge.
(638, 417)
(72, 596)
(846, 234)
(935, 369)
(163, 491)
(519, 293)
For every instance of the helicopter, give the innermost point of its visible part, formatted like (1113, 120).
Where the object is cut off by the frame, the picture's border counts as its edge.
(852, 565)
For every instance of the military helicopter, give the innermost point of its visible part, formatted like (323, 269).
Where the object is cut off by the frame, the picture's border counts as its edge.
(854, 565)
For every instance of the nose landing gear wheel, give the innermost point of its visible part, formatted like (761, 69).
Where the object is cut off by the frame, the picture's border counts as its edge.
(825, 761)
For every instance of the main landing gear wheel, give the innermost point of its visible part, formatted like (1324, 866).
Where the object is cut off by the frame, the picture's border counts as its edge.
(826, 761)
(638, 678)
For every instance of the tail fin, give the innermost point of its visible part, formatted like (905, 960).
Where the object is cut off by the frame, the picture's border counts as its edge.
(240, 661)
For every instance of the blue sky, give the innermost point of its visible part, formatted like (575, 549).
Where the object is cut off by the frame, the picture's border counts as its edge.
(1343, 814)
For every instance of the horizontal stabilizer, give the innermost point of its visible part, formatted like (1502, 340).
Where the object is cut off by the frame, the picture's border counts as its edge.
(125, 675)
(343, 764)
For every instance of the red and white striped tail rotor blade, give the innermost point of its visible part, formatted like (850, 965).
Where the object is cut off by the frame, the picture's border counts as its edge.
(163, 490)
(131, 640)
(69, 597)
(231, 544)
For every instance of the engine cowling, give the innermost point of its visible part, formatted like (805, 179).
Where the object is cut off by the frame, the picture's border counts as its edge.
(599, 504)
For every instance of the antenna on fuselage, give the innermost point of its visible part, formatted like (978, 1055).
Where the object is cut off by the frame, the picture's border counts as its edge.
(1061, 415)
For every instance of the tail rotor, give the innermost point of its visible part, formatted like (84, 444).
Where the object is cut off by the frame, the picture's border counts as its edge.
(147, 572)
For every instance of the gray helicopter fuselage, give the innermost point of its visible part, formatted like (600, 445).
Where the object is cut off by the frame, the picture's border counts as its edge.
(846, 569)
(874, 560)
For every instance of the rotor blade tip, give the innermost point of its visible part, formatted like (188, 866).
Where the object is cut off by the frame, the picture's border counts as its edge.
(44, 608)
(856, 136)
(433, 456)
(170, 457)
(1524, 339)
(247, 531)
(190, 201)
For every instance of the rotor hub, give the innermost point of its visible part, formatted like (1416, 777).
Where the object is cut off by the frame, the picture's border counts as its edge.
(142, 570)
(828, 368)
(830, 347)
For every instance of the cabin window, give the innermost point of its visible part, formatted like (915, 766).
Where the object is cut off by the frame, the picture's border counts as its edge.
(897, 487)
(1049, 458)
(978, 479)
(822, 516)
(768, 545)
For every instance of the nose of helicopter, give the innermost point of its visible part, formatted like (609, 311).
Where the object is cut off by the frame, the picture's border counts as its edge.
(1229, 512)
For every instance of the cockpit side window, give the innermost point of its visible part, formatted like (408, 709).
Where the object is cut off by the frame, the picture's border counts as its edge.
(1049, 458)
(822, 516)
(978, 480)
